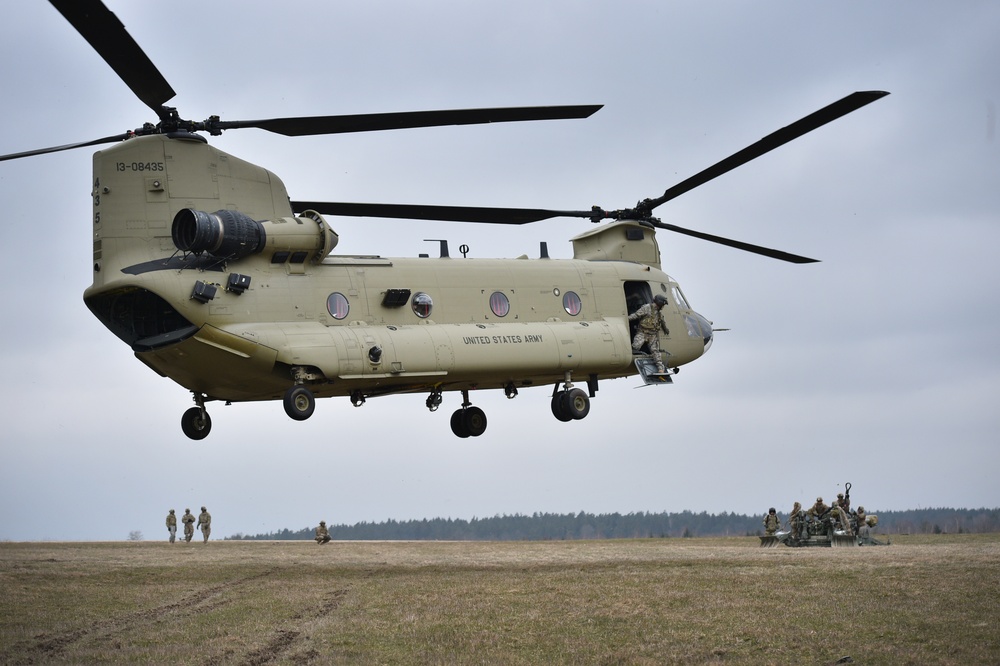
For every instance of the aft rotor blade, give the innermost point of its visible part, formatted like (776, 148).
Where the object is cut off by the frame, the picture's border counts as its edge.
(442, 213)
(739, 245)
(312, 125)
(827, 114)
(68, 146)
(106, 34)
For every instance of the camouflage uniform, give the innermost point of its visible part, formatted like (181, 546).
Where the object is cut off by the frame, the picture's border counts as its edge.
(188, 521)
(771, 522)
(205, 523)
(172, 525)
(651, 322)
(795, 519)
(322, 534)
(862, 522)
(818, 510)
(842, 513)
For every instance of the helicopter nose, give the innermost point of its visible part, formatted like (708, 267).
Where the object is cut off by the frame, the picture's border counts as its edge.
(707, 333)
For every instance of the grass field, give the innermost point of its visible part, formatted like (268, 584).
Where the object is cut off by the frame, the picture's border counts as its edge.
(923, 600)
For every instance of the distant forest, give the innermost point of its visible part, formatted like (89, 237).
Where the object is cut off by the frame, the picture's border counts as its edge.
(642, 525)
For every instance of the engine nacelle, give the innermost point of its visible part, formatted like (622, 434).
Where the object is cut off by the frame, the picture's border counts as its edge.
(230, 234)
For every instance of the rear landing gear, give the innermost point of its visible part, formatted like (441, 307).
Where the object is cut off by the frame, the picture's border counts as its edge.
(299, 403)
(195, 422)
(469, 421)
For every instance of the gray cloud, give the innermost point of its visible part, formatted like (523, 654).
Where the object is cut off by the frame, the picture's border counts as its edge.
(877, 366)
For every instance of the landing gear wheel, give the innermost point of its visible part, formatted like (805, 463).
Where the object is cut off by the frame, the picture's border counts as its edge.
(299, 403)
(196, 423)
(458, 424)
(474, 420)
(468, 422)
(576, 402)
(559, 407)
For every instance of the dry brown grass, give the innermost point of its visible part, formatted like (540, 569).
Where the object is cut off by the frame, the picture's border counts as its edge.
(924, 600)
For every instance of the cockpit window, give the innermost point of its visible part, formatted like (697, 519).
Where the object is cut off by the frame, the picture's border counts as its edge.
(699, 327)
(692, 326)
(679, 298)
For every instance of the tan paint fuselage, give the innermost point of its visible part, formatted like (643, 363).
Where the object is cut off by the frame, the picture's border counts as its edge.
(323, 316)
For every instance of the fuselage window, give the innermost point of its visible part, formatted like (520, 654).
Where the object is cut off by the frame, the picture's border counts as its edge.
(499, 304)
(337, 305)
(422, 304)
(572, 303)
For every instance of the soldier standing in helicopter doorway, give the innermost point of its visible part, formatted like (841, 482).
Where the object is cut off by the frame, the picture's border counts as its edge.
(651, 322)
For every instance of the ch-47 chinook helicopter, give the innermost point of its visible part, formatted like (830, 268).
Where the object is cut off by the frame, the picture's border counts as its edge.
(215, 278)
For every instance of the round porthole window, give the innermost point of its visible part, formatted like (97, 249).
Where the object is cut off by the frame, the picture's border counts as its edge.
(499, 305)
(572, 303)
(337, 305)
(422, 304)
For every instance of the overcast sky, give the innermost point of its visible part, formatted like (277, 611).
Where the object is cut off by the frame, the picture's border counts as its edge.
(878, 366)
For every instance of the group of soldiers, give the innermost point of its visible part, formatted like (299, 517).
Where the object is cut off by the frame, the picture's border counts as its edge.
(204, 524)
(836, 517)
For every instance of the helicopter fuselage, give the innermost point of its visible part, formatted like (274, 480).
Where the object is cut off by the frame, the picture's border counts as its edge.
(202, 268)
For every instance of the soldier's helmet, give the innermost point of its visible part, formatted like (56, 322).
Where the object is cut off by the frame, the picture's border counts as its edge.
(204, 509)
(171, 511)
(861, 509)
(322, 522)
(660, 300)
(840, 495)
(187, 510)
(771, 510)
(819, 500)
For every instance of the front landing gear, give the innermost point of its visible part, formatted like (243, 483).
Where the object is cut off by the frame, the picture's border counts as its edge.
(570, 404)
(469, 421)
(195, 422)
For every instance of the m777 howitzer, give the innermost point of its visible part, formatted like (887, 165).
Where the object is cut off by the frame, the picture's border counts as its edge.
(837, 526)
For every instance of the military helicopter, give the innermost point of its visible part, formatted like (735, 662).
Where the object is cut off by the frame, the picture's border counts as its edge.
(215, 278)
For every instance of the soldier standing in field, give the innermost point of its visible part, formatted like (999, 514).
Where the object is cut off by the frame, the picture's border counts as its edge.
(188, 520)
(172, 525)
(771, 522)
(795, 519)
(205, 523)
(322, 533)
(651, 322)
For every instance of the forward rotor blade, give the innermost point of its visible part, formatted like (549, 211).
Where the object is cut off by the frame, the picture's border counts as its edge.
(739, 245)
(827, 114)
(510, 216)
(312, 125)
(68, 146)
(106, 34)
(442, 213)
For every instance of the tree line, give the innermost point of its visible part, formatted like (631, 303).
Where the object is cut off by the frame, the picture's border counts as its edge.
(641, 525)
